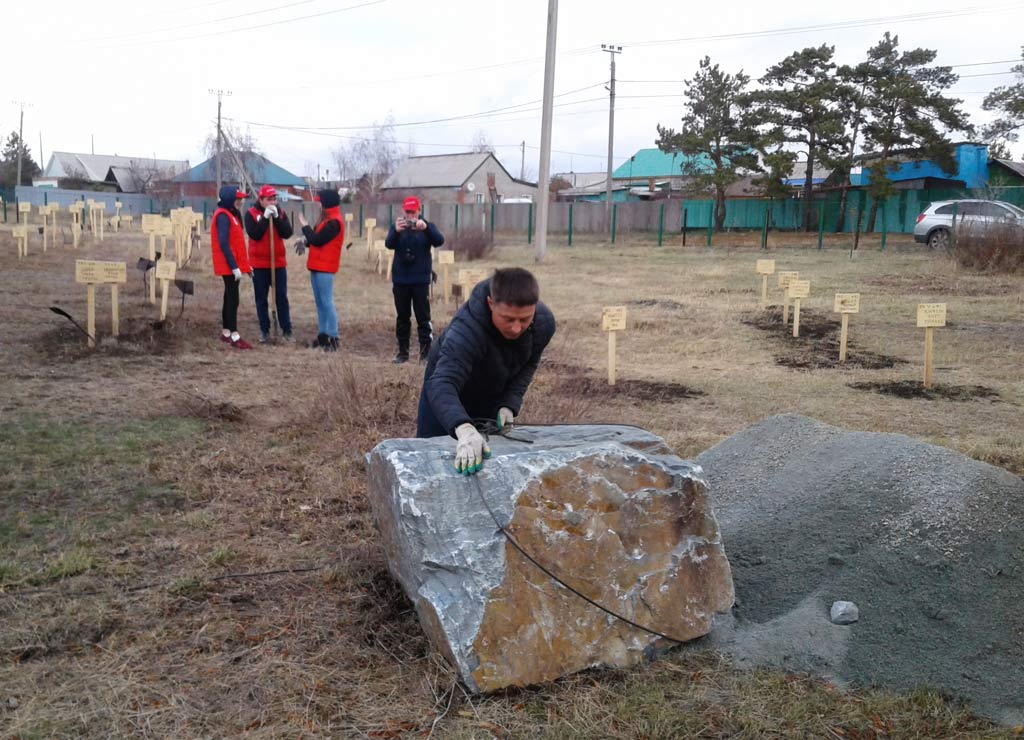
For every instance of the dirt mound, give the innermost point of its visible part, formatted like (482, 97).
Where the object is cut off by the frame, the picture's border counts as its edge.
(916, 389)
(923, 539)
(817, 347)
(639, 390)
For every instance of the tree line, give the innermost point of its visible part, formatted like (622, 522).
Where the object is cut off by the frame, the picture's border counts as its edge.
(894, 104)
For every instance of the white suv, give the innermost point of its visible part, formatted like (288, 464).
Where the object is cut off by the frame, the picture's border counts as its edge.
(935, 223)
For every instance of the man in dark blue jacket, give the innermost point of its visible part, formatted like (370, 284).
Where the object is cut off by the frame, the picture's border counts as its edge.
(483, 363)
(411, 239)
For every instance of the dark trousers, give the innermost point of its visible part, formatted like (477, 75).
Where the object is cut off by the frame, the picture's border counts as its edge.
(229, 313)
(261, 287)
(416, 298)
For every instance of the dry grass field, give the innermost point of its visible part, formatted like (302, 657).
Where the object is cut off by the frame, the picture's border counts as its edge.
(185, 543)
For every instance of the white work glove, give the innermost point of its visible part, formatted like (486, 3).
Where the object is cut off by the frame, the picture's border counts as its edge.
(270, 211)
(471, 450)
(237, 273)
(505, 417)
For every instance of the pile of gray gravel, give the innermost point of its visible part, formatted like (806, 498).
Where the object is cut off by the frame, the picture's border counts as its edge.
(928, 543)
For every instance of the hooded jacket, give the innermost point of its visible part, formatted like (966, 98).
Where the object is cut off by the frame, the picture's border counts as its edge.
(227, 239)
(473, 371)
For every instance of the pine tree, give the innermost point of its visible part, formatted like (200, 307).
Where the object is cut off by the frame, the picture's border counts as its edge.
(1009, 102)
(800, 105)
(717, 138)
(9, 163)
(904, 108)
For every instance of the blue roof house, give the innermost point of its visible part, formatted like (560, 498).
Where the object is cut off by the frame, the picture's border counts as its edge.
(971, 169)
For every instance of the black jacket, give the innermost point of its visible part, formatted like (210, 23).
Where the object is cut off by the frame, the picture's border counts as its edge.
(412, 265)
(473, 371)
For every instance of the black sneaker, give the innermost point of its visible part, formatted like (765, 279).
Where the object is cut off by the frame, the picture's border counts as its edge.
(319, 342)
(331, 345)
(401, 358)
(264, 337)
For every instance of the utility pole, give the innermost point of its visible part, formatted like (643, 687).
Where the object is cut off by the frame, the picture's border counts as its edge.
(220, 146)
(21, 141)
(612, 51)
(522, 161)
(547, 113)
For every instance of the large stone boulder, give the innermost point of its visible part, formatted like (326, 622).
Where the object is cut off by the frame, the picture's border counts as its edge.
(609, 510)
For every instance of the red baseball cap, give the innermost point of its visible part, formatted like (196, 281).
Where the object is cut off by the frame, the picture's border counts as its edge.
(240, 195)
(412, 203)
(268, 191)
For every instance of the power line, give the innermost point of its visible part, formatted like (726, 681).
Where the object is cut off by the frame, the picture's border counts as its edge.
(855, 23)
(464, 116)
(232, 18)
(226, 31)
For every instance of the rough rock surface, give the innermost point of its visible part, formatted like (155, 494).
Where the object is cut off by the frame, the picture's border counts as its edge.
(608, 509)
(927, 542)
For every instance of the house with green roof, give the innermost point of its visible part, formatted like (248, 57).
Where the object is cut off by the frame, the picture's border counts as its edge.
(652, 174)
(201, 180)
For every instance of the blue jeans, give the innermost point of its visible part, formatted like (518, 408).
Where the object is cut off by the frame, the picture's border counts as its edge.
(261, 287)
(323, 294)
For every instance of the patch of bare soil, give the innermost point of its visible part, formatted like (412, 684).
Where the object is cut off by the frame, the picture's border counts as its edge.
(657, 303)
(817, 347)
(941, 284)
(636, 389)
(916, 389)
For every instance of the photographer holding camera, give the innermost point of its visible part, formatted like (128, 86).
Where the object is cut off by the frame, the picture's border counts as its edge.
(411, 239)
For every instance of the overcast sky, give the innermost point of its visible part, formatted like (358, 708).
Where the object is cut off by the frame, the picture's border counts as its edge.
(135, 75)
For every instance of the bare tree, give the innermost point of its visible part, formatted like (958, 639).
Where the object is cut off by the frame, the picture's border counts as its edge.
(481, 143)
(244, 144)
(370, 160)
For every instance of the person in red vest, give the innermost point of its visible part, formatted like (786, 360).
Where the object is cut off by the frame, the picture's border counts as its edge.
(263, 223)
(230, 260)
(324, 243)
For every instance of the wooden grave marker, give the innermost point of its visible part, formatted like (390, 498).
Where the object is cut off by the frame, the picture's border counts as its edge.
(150, 225)
(44, 214)
(446, 257)
(165, 272)
(613, 320)
(20, 234)
(797, 289)
(764, 269)
(370, 225)
(468, 278)
(117, 216)
(24, 211)
(98, 210)
(93, 273)
(783, 278)
(75, 209)
(929, 317)
(845, 304)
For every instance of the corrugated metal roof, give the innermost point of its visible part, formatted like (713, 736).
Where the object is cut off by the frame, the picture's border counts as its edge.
(1015, 167)
(796, 175)
(583, 179)
(261, 170)
(94, 167)
(437, 171)
(656, 163)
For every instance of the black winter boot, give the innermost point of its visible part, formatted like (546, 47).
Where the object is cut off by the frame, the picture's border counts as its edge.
(332, 344)
(319, 342)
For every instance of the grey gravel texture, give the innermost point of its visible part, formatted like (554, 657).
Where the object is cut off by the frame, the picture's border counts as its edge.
(926, 541)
